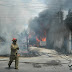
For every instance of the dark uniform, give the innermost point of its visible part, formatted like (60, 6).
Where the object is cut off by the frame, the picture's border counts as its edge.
(14, 55)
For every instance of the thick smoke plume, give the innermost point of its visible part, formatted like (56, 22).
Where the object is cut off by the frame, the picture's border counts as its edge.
(51, 20)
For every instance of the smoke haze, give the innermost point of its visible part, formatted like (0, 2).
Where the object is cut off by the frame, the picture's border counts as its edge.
(14, 17)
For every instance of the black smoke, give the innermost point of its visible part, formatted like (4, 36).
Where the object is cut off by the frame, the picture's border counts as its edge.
(41, 23)
(48, 20)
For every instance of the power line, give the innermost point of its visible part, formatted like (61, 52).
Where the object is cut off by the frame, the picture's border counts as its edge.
(20, 5)
(24, 2)
(24, 6)
(28, 3)
(30, 7)
(36, 7)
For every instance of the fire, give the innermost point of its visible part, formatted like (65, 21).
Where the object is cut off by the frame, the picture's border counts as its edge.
(37, 39)
(41, 39)
(44, 39)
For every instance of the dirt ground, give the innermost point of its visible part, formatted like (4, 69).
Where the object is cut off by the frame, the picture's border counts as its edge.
(47, 61)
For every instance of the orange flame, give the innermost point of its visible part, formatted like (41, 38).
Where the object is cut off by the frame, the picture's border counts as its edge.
(44, 39)
(37, 39)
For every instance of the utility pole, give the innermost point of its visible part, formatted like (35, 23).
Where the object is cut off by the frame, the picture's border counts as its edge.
(27, 39)
(27, 42)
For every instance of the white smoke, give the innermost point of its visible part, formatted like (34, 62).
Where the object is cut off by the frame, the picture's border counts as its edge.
(11, 22)
(14, 17)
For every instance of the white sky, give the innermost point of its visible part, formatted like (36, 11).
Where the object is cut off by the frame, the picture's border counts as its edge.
(20, 10)
(15, 14)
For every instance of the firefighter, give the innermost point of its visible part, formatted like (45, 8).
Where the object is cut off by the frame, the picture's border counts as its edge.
(14, 53)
